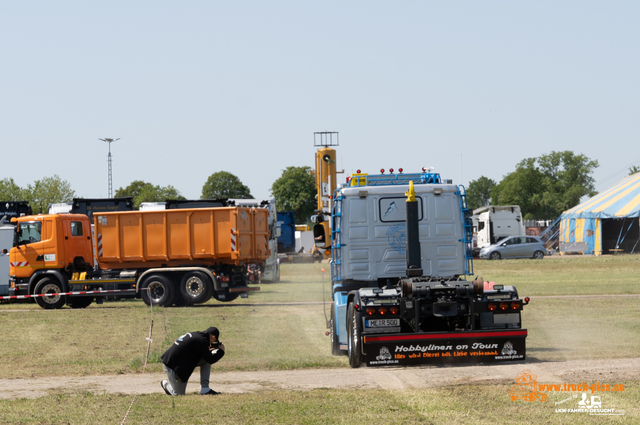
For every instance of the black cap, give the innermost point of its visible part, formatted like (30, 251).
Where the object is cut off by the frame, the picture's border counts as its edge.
(213, 331)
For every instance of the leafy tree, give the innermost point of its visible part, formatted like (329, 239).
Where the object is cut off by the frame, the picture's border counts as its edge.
(147, 192)
(520, 188)
(634, 169)
(134, 189)
(224, 185)
(10, 191)
(295, 191)
(544, 187)
(479, 192)
(47, 191)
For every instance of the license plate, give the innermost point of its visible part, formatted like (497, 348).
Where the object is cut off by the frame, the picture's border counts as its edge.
(382, 323)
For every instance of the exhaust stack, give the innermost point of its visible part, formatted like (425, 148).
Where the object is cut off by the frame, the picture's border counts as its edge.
(414, 256)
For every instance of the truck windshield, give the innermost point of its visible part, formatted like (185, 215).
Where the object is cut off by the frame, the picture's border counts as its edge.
(28, 232)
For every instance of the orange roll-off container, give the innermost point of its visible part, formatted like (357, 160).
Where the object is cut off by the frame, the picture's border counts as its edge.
(179, 237)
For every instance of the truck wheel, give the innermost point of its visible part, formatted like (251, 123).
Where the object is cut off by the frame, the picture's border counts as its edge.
(538, 255)
(50, 285)
(157, 289)
(353, 337)
(196, 288)
(79, 302)
(335, 344)
(495, 256)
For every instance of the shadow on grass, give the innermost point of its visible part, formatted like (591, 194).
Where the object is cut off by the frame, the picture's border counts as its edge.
(545, 349)
(256, 304)
(531, 359)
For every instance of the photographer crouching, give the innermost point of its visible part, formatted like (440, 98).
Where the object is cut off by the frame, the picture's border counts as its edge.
(190, 350)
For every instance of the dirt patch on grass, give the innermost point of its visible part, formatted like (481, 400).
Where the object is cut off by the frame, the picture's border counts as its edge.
(393, 378)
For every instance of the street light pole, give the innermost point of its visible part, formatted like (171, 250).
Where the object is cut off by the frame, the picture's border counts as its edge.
(109, 141)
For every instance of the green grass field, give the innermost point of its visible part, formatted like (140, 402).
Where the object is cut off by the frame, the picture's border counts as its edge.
(460, 404)
(566, 275)
(265, 332)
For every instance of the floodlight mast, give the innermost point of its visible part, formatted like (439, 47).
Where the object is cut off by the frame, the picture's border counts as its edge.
(109, 141)
(326, 138)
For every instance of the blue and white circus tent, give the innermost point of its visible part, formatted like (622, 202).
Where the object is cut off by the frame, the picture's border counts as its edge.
(605, 224)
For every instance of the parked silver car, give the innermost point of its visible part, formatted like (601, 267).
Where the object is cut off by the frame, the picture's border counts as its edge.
(515, 247)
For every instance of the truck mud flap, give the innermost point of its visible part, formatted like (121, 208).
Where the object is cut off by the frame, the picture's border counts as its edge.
(445, 348)
(247, 289)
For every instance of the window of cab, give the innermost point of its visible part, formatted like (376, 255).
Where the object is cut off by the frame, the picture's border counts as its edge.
(76, 228)
(29, 232)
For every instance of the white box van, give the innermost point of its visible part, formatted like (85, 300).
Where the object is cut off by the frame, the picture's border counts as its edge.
(495, 223)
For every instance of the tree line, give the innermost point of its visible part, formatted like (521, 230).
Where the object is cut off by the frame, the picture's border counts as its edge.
(543, 187)
(294, 191)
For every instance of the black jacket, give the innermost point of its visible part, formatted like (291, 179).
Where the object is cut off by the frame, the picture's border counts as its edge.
(185, 354)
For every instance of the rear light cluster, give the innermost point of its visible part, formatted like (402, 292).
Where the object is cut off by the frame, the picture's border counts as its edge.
(382, 311)
(504, 306)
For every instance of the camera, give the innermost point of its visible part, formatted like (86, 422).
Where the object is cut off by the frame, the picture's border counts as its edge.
(215, 345)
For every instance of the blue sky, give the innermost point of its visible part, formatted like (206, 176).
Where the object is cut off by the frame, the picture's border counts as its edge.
(191, 88)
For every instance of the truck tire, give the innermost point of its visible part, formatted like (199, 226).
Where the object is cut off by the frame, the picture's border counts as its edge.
(335, 344)
(50, 285)
(538, 255)
(196, 288)
(353, 337)
(79, 302)
(161, 289)
(495, 256)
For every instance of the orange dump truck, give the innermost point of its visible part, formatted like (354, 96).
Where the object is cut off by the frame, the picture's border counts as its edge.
(178, 256)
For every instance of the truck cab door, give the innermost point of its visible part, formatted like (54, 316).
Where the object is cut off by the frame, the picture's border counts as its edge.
(77, 242)
(28, 255)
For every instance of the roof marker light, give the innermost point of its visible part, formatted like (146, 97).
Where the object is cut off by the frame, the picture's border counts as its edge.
(382, 171)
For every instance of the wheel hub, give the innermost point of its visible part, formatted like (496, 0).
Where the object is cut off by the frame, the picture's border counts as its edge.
(51, 289)
(194, 287)
(156, 291)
